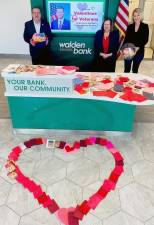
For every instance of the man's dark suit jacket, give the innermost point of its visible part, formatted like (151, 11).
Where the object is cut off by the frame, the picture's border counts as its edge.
(65, 25)
(113, 43)
(30, 30)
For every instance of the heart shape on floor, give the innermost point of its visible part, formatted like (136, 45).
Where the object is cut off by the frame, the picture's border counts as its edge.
(66, 216)
(72, 215)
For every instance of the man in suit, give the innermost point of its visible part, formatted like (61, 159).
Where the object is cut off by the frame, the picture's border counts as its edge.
(39, 55)
(60, 23)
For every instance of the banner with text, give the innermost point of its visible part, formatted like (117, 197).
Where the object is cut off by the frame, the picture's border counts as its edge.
(78, 17)
(42, 86)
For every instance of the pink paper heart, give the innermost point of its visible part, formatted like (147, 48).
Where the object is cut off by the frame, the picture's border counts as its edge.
(62, 215)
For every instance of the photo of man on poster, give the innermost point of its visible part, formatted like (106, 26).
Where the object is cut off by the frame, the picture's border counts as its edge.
(59, 22)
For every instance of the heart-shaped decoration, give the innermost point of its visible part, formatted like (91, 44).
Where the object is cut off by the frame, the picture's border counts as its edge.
(82, 6)
(66, 216)
(72, 215)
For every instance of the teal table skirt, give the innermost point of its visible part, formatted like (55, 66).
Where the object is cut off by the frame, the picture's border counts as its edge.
(70, 114)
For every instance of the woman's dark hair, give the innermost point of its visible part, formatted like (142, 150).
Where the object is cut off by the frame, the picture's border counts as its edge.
(111, 23)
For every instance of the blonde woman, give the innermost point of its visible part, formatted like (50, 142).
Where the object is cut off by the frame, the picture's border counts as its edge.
(137, 34)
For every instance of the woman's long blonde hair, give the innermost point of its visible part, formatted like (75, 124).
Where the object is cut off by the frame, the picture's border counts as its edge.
(139, 11)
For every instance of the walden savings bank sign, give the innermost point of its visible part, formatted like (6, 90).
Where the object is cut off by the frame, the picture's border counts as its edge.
(76, 48)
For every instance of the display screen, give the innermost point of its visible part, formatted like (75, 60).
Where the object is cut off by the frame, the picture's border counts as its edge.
(74, 16)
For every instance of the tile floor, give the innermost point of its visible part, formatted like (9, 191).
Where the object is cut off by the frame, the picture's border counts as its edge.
(71, 178)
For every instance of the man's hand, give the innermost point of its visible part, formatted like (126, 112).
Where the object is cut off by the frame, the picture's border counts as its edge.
(32, 42)
(47, 42)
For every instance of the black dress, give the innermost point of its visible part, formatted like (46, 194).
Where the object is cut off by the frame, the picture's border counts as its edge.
(139, 39)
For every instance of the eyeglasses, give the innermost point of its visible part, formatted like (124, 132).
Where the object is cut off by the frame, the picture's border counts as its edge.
(36, 13)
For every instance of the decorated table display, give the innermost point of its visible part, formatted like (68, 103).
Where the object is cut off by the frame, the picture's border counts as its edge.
(73, 100)
(125, 88)
(130, 88)
(74, 214)
(39, 69)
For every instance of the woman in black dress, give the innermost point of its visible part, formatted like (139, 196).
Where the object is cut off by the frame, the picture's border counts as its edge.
(137, 34)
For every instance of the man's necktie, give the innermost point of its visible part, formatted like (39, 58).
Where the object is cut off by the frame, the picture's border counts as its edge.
(60, 25)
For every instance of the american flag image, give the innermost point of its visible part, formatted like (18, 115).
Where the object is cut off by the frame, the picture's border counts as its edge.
(53, 11)
(122, 19)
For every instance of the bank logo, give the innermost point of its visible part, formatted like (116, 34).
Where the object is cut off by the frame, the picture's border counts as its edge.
(76, 48)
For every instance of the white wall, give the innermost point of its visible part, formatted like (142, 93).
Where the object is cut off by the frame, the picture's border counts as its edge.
(13, 15)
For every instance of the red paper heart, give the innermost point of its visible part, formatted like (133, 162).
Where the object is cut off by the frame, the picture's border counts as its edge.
(72, 215)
